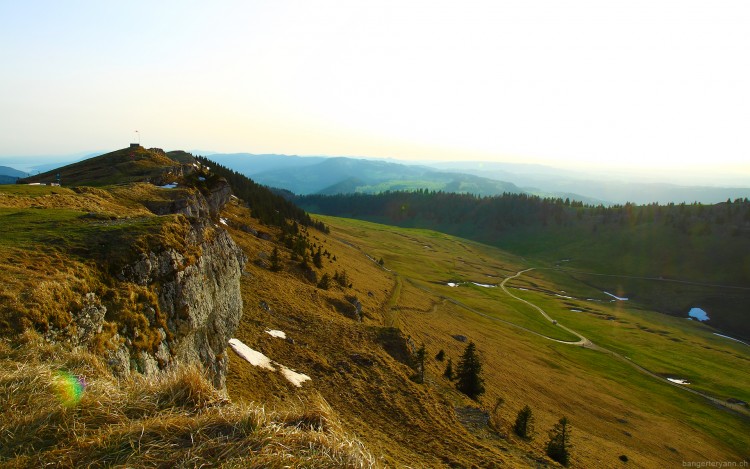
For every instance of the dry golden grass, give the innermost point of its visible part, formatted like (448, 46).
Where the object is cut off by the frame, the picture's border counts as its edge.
(53, 258)
(176, 420)
(404, 423)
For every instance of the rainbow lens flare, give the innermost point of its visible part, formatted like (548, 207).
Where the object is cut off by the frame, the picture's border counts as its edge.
(69, 388)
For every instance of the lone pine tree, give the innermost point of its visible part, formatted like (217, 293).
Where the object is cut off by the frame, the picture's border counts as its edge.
(275, 260)
(558, 445)
(467, 373)
(524, 426)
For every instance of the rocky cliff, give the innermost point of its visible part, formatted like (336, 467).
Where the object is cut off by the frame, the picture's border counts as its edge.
(199, 301)
(167, 294)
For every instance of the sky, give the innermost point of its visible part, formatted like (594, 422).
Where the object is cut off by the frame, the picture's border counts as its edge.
(652, 86)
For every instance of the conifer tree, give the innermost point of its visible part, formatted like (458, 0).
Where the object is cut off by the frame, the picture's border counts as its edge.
(467, 373)
(440, 355)
(448, 373)
(318, 259)
(524, 426)
(558, 445)
(325, 282)
(275, 260)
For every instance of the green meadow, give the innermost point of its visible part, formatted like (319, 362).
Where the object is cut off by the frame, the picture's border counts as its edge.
(667, 346)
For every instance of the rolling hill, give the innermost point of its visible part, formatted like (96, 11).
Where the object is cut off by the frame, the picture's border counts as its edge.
(310, 175)
(314, 358)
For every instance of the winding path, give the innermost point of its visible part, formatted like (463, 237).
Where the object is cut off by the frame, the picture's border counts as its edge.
(737, 409)
(581, 342)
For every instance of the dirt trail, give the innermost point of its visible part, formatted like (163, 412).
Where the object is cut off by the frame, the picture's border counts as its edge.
(581, 342)
(734, 408)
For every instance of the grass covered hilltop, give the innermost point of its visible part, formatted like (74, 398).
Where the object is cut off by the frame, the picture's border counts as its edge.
(333, 340)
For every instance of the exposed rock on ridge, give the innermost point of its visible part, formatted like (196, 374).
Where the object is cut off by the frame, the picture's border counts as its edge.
(197, 286)
(200, 300)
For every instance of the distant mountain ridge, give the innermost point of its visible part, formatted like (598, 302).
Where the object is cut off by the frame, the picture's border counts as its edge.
(305, 175)
(8, 171)
(341, 175)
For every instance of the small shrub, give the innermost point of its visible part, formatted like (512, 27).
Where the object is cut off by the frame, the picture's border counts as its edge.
(325, 282)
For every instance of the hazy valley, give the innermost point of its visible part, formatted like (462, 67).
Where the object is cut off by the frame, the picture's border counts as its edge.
(203, 319)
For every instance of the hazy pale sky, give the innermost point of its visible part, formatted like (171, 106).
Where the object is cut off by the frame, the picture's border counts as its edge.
(631, 84)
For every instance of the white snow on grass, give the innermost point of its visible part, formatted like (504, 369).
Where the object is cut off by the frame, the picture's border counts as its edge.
(275, 333)
(452, 284)
(615, 297)
(731, 338)
(256, 358)
(678, 380)
(699, 314)
(485, 285)
(564, 296)
(293, 377)
(168, 186)
(576, 310)
(253, 357)
(223, 221)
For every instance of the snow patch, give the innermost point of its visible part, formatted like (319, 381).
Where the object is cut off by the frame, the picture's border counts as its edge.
(615, 297)
(168, 186)
(485, 285)
(576, 310)
(731, 338)
(678, 380)
(253, 357)
(275, 333)
(293, 377)
(256, 358)
(564, 296)
(223, 221)
(698, 314)
(452, 284)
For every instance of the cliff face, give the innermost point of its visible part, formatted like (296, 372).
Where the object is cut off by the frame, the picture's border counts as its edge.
(198, 290)
(145, 291)
(198, 298)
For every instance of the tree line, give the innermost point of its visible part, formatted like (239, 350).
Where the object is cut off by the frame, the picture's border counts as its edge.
(265, 205)
(438, 209)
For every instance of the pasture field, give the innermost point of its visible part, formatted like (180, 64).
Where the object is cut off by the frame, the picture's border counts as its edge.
(616, 409)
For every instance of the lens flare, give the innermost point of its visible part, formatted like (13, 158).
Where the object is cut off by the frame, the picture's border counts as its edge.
(69, 388)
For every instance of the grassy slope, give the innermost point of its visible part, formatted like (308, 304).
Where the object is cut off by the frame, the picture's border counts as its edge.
(614, 409)
(176, 420)
(125, 165)
(350, 368)
(55, 244)
(654, 252)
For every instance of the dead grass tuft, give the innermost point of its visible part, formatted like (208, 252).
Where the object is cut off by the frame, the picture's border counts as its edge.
(176, 419)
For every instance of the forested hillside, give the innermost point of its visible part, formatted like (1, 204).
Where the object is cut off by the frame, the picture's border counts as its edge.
(701, 244)
(268, 207)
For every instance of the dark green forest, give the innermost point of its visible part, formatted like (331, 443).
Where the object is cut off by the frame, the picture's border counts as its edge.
(670, 257)
(455, 212)
(265, 205)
